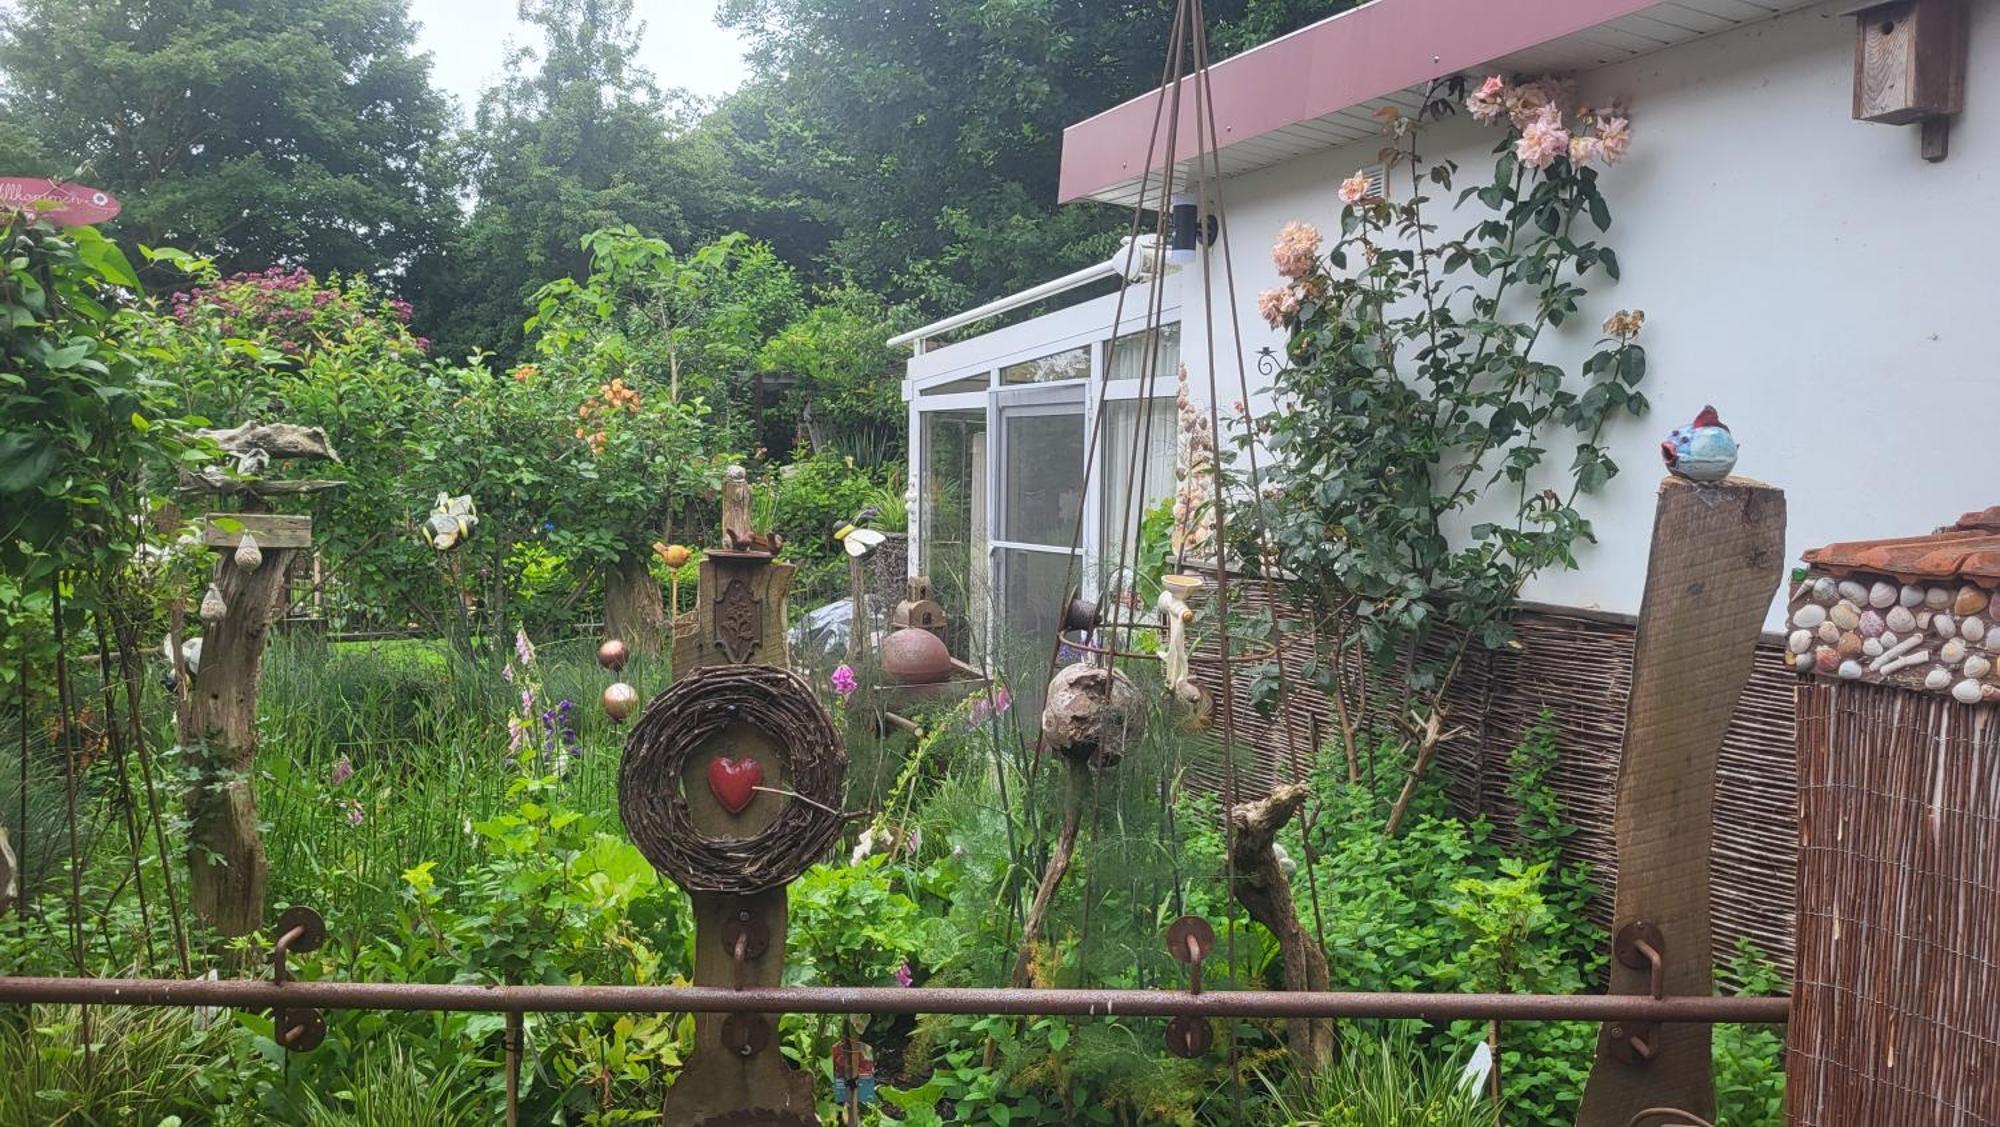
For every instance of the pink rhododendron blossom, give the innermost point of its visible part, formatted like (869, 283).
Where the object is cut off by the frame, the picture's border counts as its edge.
(1278, 306)
(1297, 250)
(1354, 189)
(1543, 140)
(1488, 103)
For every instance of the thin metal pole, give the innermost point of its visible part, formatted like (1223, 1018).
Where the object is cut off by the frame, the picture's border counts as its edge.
(260, 994)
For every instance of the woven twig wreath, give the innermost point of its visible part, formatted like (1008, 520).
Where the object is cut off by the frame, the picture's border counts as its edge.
(678, 725)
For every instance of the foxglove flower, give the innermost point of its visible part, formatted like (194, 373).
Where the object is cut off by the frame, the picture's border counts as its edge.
(844, 682)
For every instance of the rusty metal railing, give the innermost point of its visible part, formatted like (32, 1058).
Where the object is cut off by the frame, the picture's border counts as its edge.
(296, 993)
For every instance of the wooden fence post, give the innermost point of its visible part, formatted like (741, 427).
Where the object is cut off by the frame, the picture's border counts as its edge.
(1718, 554)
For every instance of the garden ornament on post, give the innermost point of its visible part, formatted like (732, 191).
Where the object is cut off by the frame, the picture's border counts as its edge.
(451, 522)
(1703, 451)
(216, 711)
(730, 785)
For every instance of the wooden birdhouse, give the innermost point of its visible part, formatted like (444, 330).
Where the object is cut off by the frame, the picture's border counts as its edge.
(1909, 64)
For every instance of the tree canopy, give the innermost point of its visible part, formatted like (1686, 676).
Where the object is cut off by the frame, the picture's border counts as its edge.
(254, 132)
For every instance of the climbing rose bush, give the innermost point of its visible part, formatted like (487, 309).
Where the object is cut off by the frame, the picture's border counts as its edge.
(1416, 399)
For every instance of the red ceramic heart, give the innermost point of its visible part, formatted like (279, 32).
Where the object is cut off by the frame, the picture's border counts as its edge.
(734, 781)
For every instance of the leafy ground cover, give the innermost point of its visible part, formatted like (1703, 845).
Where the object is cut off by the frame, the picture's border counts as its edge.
(456, 826)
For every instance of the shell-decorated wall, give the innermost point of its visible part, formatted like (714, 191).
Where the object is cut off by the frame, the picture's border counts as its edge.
(1919, 636)
(1916, 612)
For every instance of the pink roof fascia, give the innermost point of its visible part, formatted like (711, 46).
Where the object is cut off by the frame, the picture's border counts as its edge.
(1340, 62)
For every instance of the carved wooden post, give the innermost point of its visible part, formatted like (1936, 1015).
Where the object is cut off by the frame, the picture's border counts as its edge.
(1718, 554)
(729, 785)
(226, 865)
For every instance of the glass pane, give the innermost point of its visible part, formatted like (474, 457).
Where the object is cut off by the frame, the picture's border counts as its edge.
(1073, 364)
(1126, 425)
(1127, 355)
(1042, 480)
(952, 520)
(1032, 588)
(969, 383)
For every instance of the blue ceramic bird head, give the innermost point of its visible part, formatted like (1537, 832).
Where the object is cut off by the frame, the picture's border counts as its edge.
(1704, 450)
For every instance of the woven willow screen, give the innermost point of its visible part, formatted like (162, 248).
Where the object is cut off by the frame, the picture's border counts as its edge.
(1578, 666)
(1894, 1014)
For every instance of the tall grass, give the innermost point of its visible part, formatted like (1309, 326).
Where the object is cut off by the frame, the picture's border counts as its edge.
(423, 731)
(1386, 1081)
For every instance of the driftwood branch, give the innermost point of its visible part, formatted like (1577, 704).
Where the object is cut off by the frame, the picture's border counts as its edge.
(1266, 893)
(274, 440)
(1052, 876)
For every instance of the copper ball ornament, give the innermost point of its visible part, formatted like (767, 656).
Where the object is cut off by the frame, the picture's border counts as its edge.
(619, 701)
(914, 656)
(612, 655)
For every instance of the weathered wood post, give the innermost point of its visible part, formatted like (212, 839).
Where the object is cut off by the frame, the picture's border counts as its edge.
(730, 785)
(217, 720)
(1718, 555)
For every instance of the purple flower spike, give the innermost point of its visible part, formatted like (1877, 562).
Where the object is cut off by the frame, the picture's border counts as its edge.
(343, 770)
(843, 682)
(904, 975)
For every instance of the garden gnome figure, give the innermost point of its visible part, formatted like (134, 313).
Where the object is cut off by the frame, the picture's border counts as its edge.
(1702, 451)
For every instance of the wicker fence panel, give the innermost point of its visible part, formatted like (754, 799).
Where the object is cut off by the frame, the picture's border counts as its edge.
(1894, 1019)
(1576, 666)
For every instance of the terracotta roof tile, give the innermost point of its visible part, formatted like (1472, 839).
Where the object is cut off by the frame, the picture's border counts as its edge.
(1968, 550)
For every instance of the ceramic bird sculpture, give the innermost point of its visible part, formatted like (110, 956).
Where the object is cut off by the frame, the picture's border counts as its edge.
(1704, 450)
(450, 522)
(855, 535)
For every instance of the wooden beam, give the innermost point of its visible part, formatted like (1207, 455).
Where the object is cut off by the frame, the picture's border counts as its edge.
(272, 530)
(1718, 555)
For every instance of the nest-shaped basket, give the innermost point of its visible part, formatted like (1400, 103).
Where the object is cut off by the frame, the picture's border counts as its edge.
(678, 725)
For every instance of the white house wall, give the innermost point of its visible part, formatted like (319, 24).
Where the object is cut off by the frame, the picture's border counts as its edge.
(1829, 291)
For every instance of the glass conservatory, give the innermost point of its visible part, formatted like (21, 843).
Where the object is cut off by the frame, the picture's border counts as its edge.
(1000, 432)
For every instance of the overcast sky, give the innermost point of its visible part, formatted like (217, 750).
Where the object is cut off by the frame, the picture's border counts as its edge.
(468, 42)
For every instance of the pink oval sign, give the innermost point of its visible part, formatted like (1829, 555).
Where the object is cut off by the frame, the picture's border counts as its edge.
(65, 205)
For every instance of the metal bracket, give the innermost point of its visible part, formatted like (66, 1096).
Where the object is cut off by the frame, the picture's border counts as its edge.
(745, 936)
(1640, 945)
(1189, 1036)
(746, 1035)
(299, 929)
(1189, 940)
(298, 1030)
(1631, 1041)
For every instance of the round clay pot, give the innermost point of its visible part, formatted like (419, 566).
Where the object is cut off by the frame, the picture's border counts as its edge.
(915, 656)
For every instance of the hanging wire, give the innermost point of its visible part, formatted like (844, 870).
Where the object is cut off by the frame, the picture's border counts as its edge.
(1267, 547)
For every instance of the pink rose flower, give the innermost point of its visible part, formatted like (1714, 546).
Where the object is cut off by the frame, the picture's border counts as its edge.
(1354, 189)
(1614, 137)
(1543, 140)
(1297, 250)
(1488, 103)
(1582, 150)
(1278, 306)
